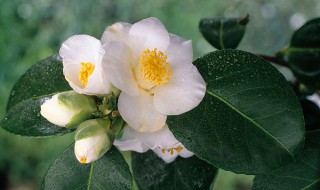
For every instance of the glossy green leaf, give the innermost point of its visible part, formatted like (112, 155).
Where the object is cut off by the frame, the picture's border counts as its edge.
(24, 119)
(302, 175)
(223, 33)
(38, 84)
(249, 121)
(109, 172)
(304, 54)
(151, 172)
(44, 78)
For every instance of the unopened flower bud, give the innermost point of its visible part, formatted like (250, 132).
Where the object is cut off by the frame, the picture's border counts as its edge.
(68, 109)
(93, 139)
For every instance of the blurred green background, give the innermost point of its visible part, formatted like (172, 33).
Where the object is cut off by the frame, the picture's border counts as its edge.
(33, 30)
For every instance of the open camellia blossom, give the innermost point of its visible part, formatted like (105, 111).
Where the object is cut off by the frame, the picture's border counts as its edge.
(154, 71)
(82, 65)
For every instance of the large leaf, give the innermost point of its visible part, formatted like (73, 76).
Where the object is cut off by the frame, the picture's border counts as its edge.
(109, 172)
(249, 121)
(39, 83)
(151, 172)
(302, 175)
(304, 54)
(223, 33)
(44, 78)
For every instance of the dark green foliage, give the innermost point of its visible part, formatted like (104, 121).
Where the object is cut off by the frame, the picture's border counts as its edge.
(109, 172)
(223, 33)
(250, 120)
(151, 172)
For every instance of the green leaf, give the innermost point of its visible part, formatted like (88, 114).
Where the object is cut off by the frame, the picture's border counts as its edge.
(24, 119)
(249, 121)
(44, 78)
(223, 33)
(109, 172)
(303, 54)
(302, 175)
(151, 172)
(38, 84)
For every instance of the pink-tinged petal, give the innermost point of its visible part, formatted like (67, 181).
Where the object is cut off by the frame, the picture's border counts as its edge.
(139, 112)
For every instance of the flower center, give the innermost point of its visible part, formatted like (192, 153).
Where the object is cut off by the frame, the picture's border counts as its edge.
(171, 150)
(83, 160)
(154, 67)
(85, 72)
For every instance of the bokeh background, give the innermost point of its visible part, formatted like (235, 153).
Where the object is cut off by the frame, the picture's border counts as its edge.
(33, 30)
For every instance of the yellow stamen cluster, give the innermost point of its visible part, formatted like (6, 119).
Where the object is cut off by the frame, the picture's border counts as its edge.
(85, 72)
(154, 67)
(83, 160)
(171, 150)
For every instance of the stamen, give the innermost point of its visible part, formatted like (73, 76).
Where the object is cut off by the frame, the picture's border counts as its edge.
(83, 160)
(179, 149)
(85, 72)
(154, 67)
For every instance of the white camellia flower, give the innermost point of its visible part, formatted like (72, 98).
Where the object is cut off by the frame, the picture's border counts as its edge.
(82, 60)
(68, 109)
(154, 71)
(162, 142)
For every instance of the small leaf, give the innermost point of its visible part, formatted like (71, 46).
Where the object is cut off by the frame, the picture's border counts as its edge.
(151, 172)
(303, 54)
(249, 121)
(38, 84)
(109, 172)
(223, 33)
(302, 175)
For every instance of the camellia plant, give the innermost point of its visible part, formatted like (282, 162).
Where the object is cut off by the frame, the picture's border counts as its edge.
(138, 89)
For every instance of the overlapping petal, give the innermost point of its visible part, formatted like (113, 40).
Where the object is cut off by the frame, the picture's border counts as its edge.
(139, 112)
(162, 142)
(183, 92)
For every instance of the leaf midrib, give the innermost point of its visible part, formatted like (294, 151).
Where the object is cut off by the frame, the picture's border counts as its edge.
(249, 119)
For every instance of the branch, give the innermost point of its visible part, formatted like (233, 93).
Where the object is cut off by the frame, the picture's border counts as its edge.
(274, 60)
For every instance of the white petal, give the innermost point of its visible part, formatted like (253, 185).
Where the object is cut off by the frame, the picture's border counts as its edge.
(116, 32)
(147, 34)
(160, 142)
(56, 113)
(166, 156)
(83, 48)
(185, 153)
(129, 141)
(179, 51)
(117, 67)
(91, 148)
(162, 138)
(131, 145)
(139, 112)
(183, 92)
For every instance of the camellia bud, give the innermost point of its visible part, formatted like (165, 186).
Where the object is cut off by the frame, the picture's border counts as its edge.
(93, 139)
(68, 109)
